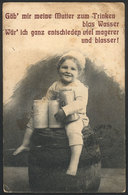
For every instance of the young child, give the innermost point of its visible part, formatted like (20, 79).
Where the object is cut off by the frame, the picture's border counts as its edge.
(69, 68)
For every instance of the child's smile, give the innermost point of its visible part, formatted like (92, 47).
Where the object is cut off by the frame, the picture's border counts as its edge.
(68, 71)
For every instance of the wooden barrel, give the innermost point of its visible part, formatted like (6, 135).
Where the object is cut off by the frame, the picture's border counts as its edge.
(49, 158)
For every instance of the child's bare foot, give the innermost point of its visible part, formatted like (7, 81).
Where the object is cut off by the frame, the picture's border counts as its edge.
(74, 161)
(71, 172)
(20, 149)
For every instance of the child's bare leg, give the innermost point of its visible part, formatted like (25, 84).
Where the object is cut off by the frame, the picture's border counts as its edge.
(74, 161)
(26, 140)
(74, 134)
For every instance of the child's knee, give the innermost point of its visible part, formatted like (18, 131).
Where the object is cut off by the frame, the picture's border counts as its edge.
(75, 126)
(74, 132)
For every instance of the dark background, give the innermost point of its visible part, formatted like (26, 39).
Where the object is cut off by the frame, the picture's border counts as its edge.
(106, 111)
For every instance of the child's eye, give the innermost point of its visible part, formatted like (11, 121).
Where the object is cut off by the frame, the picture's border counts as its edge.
(73, 68)
(65, 67)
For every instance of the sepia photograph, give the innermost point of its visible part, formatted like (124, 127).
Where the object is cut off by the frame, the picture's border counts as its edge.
(64, 97)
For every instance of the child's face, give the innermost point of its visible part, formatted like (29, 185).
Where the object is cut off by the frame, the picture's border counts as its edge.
(68, 71)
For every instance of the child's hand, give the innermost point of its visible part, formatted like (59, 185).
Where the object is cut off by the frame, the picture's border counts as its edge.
(21, 149)
(60, 115)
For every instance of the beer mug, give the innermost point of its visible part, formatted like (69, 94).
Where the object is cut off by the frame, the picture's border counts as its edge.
(40, 109)
(53, 109)
(66, 97)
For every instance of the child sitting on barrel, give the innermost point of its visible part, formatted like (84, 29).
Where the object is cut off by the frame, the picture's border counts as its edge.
(69, 68)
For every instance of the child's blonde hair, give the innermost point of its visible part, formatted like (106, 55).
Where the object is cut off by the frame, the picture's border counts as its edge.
(76, 56)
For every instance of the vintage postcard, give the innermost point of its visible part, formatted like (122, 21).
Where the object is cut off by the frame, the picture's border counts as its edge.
(64, 97)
